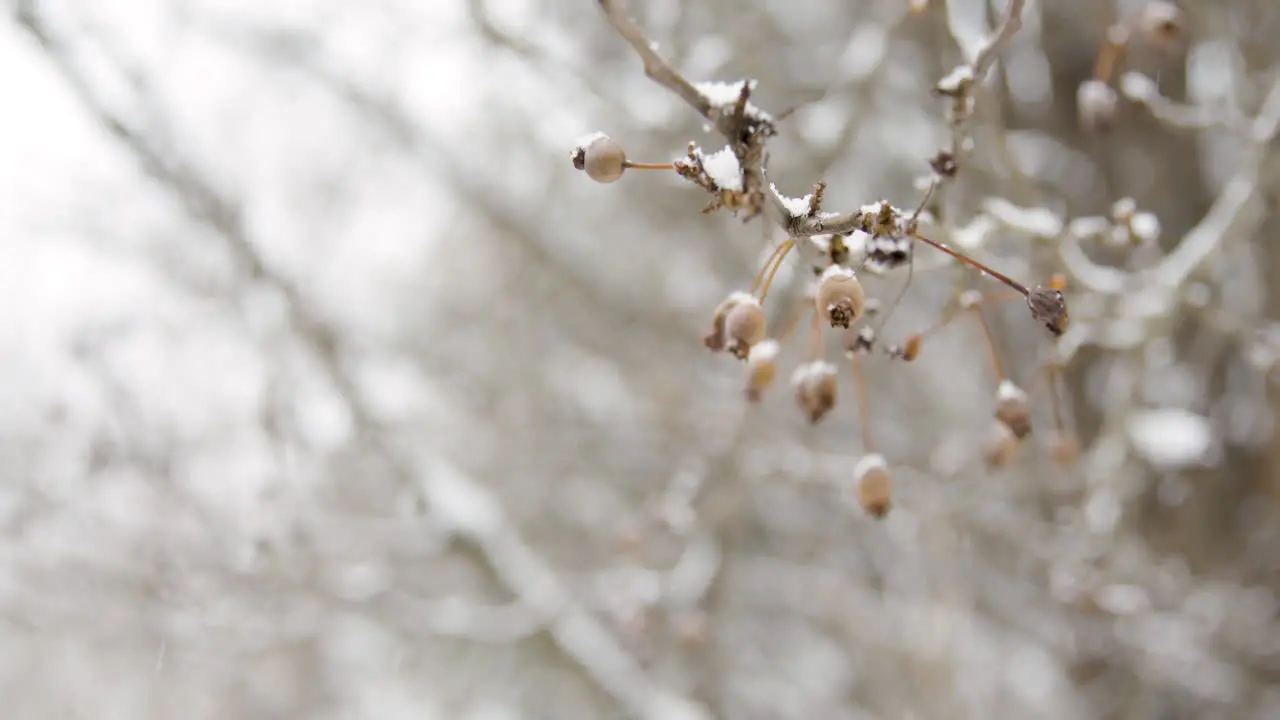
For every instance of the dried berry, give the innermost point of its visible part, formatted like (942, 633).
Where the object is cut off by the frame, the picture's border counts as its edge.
(874, 485)
(815, 385)
(1097, 105)
(762, 368)
(601, 157)
(911, 348)
(839, 297)
(1013, 408)
(745, 325)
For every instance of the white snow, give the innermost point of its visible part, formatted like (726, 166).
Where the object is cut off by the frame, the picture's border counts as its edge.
(867, 463)
(723, 168)
(1170, 437)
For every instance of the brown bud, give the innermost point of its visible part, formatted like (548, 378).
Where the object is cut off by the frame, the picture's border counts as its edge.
(745, 325)
(839, 297)
(1097, 105)
(1012, 408)
(1049, 306)
(1000, 446)
(815, 385)
(762, 368)
(911, 348)
(1064, 449)
(874, 485)
(1161, 24)
(601, 157)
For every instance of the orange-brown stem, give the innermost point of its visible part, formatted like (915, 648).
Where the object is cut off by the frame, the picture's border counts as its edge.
(1010, 282)
(1051, 375)
(864, 407)
(649, 166)
(815, 338)
(781, 255)
(989, 338)
(1112, 52)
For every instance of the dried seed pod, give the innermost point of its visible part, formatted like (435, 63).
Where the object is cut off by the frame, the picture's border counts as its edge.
(815, 385)
(911, 348)
(1013, 408)
(601, 157)
(1097, 105)
(1064, 449)
(874, 485)
(840, 298)
(1161, 24)
(715, 340)
(999, 446)
(745, 325)
(1049, 306)
(762, 368)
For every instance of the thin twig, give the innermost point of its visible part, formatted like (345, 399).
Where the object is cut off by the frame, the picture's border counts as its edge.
(1009, 25)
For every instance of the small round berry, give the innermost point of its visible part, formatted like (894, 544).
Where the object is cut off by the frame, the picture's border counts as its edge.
(601, 157)
(745, 325)
(1000, 446)
(1097, 105)
(715, 340)
(874, 485)
(1013, 409)
(839, 297)
(762, 369)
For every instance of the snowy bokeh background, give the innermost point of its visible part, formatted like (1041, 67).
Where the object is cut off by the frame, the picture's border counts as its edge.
(331, 390)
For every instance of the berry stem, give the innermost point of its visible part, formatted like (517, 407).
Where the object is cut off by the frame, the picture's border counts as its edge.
(649, 166)
(1051, 374)
(780, 254)
(989, 338)
(864, 406)
(792, 323)
(1010, 282)
(815, 338)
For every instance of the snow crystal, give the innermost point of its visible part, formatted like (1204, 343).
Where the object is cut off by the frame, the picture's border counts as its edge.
(956, 79)
(836, 271)
(1170, 437)
(723, 169)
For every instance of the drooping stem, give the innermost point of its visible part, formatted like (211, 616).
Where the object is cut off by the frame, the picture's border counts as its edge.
(1051, 373)
(1013, 284)
(989, 338)
(864, 407)
(781, 255)
(815, 338)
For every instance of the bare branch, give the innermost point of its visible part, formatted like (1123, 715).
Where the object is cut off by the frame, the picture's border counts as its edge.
(1009, 25)
(655, 67)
